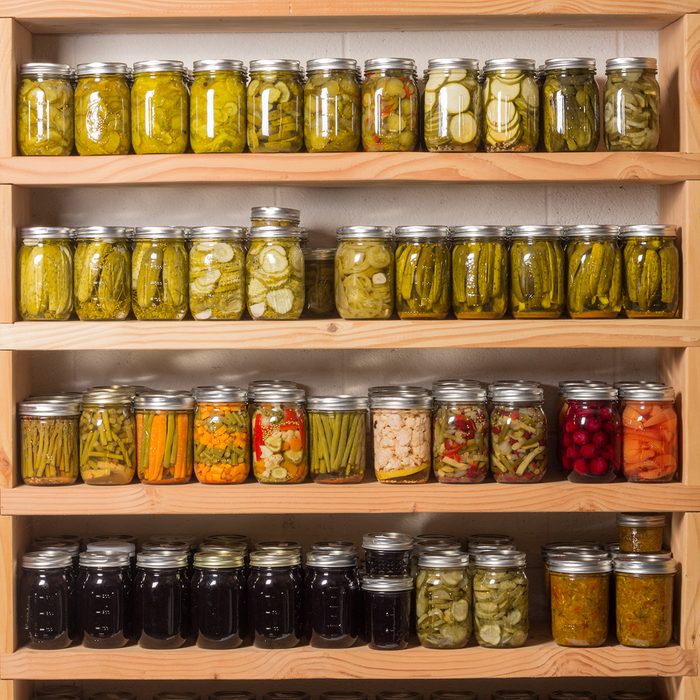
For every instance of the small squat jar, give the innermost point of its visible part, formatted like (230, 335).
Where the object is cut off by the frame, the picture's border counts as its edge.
(387, 554)
(387, 605)
(318, 282)
(641, 533)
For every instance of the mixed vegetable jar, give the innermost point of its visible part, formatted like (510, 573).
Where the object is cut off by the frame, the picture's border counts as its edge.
(387, 554)
(318, 282)
(274, 216)
(641, 533)
(387, 604)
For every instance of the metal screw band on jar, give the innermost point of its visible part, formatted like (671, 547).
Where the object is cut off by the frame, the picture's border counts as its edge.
(517, 394)
(345, 232)
(606, 231)
(590, 393)
(407, 64)
(159, 66)
(165, 400)
(570, 64)
(648, 393)
(447, 560)
(387, 585)
(316, 65)
(219, 394)
(499, 64)
(469, 232)
(574, 564)
(213, 64)
(649, 230)
(275, 559)
(217, 232)
(387, 541)
(41, 233)
(471, 64)
(159, 232)
(466, 394)
(421, 232)
(644, 564)
(218, 560)
(630, 63)
(161, 560)
(641, 519)
(337, 403)
(101, 233)
(275, 64)
(500, 559)
(49, 408)
(97, 68)
(53, 559)
(47, 70)
(276, 213)
(325, 560)
(540, 231)
(103, 560)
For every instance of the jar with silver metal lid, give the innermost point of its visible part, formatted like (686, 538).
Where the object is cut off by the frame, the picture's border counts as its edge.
(159, 274)
(335, 546)
(632, 104)
(567, 384)
(318, 282)
(433, 544)
(641, 533)
(390, 105)
(387, 606)
(387, 554)
(164, 429)
(274, 216)
(580, 549)
(160, 113)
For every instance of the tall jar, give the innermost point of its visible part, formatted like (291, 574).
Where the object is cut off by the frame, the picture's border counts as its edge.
(387, 606)
(632, 104)
(479, 271)
(332, 106)
(387, 554)
(217, 273)
(364, 272)
(422, 271)
(641, 533)
(45, 110)
(164, 437)
(511, 105)
(318, 282)
(652, 272)
(102, 110)
(275, 106)
(45, 274)
(274, 216)
(218, 106)
(159, 274)
(594, 271)
(390, 105)
(570, 113)
(537, 278)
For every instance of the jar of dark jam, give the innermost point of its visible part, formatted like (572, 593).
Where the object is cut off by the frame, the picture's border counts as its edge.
(387, 554)
(283, 547)
(387, 604)
(232, 695)
(161, 600)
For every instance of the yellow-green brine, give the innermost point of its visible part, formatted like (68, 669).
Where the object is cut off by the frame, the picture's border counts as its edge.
(318, 281)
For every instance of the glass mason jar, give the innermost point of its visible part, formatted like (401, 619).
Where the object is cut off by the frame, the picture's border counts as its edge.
(452, 105)
(279, 425)
(511, 105)
(632, 104)
(318, 282)
(401, 423)
(275, 273)
(644, 600)
(102, 110)
(274, 216)
(594, 271)
(164, 434)
(45, 274)
(563, 403)
(500, 599)
(443, 601)
(518, 434)
(159, 107)
(218, 107)
(387, 607)
(364, 272)
(387, 554)
(49, 441)
(537, 278)
(570, 114)
(641, 533)
(159, 274)
(652, 278)
(45, 110)
(337, 438)
(479, 271)
(332, 106)
(390, 105)
(422, 271)
(275, 106)
(217, 273)
(460, 435)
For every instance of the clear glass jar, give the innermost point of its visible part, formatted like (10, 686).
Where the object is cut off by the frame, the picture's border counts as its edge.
(218, 107)
(274, 216)
(332, 106)
(511, 105)
(45, 274)
(594, 271)
(390, 105)
(159, 274)
(652, 279)
(387, 554)
(641, 533)
(563, 403)
(337, 438)
(318, 282)
(632, 104)
(102, 110)
(164, 434)
(160, 113)
(45, 110)
(217, 273)
(387, 606)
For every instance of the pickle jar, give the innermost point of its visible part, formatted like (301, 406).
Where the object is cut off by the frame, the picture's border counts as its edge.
(337, 438)
(45, 274)
(159, 274)
(511, 101)
(422, 271)
(537, 277)
(452, 119)
(390, 105)
(45, 110)
(159, 107)
(107, 437)
(218, 106)
(164, 437)
(101, 273)
(479, 271)
(274, 216)
(49, 441)
(364, 272)
(217, 273)
(652, 274)
(387, 606)
(570, 113)
(332, 106)
(102, 110)
(641, 533)
(275, 273)
(518, 434)
(275, 106)
(221, 435)
(318, 282)
(460, 435)
(632, 104)
(387, 554)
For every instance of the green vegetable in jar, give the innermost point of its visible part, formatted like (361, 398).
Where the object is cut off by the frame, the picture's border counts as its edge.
(318, 280)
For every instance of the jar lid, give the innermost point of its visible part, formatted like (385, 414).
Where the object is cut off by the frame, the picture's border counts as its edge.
(187, 541)
(630, 63)
(399, 399)
(570, 64)
(592, 231)
(103, 560)
(101, 233)
(275, 232)
(229, 539)
(454, 384)
(500, 558)
(334, 546)
(569, 563)
(464, 394)
(98, 68)
(165, 400)
(450, 548)
(342, 402)
(46, 559)
(206, 65)
(326, 560)
(663, 555)
(548, 547)
(42, 233)
(319, 254)
(431, 538)
(644, 564)
(50, 70)
(320, 64)
(219, 394)
(158, 232)
(48, 408)
(421, 232)
(278, 545)
(540, 231)
(468, 232)
(110, 397)
(220, 559)
(590, 393)
(265, 384)
(387, 585)
(161, 560)
(112, 545)
(364, 232)
(641, 519)
(517, 394)
(488, 541)
(273, 64)
(275, 559)
(471, 64)
(275, 213)
(407, 64)
(649, 230)
(498, 64)
(446, 560)
(282, 394)
(158, 66)
(387, 541)
(407, 389)
(581, 382)
(218, 232)
(648, 393)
